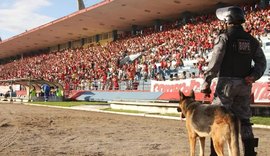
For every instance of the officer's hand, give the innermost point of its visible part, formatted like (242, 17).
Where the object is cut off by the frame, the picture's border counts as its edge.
(205, 88)
(249, 80)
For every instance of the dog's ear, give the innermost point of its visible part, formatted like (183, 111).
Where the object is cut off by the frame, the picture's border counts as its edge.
(181, 95)
(192, 94)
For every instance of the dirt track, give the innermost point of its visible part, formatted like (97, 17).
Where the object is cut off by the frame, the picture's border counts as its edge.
(33, 130)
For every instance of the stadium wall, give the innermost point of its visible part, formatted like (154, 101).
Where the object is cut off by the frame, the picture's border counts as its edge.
(115, 95)
(168, 90)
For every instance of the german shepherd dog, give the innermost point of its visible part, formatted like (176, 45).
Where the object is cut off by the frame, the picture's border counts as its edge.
(209, 120)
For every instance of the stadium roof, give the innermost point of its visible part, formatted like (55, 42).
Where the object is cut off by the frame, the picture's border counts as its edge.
(100, 18)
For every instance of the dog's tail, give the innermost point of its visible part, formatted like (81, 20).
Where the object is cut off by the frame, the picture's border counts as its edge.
(235, 129)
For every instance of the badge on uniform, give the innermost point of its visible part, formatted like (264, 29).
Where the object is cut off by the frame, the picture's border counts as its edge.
(244, 46)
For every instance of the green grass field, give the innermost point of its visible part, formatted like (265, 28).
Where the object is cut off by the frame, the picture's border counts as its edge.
(256, 119)
(69, 103)
(261, 120)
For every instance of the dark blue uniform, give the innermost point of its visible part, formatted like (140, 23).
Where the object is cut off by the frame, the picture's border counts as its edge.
(46, 90)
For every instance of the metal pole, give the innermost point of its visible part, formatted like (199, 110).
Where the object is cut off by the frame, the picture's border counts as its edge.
(11, 91)
(29, 100)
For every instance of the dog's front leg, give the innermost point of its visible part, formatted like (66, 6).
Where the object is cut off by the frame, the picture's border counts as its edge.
(202, 145)
(192, 143)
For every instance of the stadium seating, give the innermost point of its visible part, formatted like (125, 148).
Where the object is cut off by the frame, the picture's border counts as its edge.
(164, 54)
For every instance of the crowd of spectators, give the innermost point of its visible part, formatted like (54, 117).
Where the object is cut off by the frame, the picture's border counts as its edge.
(163, 54)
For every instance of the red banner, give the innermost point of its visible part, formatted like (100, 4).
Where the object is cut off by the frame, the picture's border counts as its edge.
(260, 89)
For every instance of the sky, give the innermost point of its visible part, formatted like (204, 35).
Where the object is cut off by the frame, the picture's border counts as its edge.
(16, 16)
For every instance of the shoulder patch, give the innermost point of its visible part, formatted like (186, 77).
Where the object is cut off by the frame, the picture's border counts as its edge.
(219, 38)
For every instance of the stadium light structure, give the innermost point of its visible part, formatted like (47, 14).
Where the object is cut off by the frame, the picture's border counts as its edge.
(80, 4)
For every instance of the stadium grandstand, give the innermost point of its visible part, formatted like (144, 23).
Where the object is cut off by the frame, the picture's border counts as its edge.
(126, 45)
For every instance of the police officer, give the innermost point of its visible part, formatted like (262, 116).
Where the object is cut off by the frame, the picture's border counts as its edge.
(231, 62)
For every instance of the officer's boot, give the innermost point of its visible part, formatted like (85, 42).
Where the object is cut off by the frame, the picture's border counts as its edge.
(249, 146)
(213, 152)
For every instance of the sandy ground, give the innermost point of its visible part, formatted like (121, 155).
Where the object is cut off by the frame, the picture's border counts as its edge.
(42, 131)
